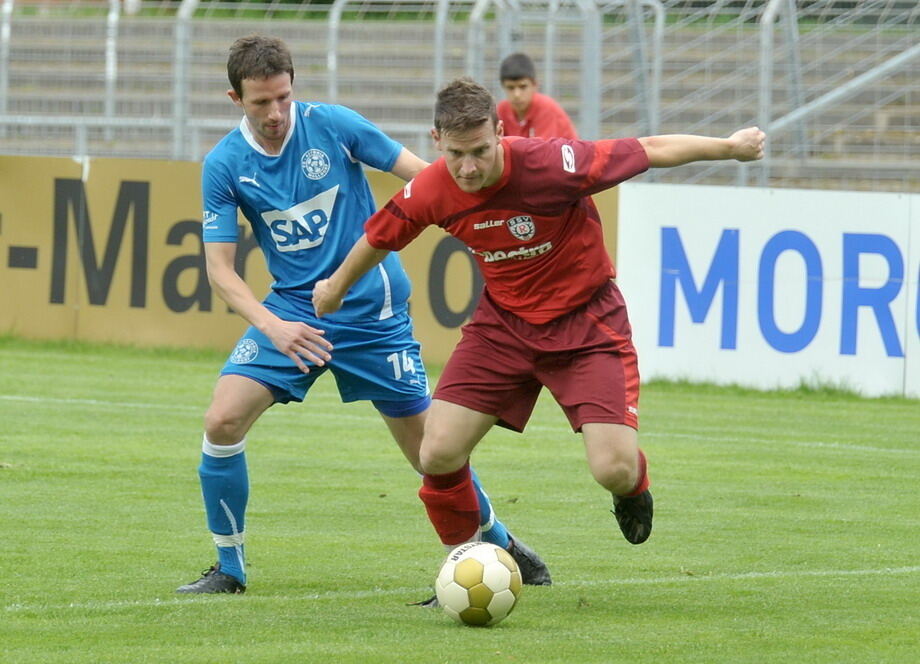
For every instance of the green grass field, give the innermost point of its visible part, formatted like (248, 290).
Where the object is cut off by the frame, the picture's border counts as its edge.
(787, 528)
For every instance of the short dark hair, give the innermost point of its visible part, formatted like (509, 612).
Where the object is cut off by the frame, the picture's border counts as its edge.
(257, 57)
(515, 66)
(463, 104)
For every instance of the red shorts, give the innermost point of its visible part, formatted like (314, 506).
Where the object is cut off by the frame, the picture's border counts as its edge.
(585, 358)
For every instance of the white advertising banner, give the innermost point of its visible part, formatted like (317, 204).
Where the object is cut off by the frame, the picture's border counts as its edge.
(912, 276)
(773, 287)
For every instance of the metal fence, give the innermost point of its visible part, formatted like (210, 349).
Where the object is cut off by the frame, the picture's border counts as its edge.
(837, 84)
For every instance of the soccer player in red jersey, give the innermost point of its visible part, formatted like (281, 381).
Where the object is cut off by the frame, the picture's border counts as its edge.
(550, 314)
(526, 111)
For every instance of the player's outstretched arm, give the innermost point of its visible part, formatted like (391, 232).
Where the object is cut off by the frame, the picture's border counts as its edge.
(408, 165)
(329, 293)
(677, 149)
(297, 340)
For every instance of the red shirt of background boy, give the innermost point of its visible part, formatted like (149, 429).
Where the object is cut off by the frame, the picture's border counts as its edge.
(545, 118)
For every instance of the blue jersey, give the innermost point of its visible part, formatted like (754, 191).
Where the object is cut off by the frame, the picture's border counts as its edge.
(307, 205)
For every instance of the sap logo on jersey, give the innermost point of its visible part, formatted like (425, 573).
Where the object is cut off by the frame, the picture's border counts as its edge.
(522, 227)
(304, 225)
(315, 164)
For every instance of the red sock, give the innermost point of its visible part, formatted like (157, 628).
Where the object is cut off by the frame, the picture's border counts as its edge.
(643, 483)
(452, 506)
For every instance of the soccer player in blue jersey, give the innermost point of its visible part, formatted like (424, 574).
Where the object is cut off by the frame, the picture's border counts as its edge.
(295, 171)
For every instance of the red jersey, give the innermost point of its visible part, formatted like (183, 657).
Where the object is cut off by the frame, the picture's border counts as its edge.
(536, 233)
(544, 119)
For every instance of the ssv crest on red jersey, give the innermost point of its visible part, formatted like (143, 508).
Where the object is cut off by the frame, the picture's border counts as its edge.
(522, 227)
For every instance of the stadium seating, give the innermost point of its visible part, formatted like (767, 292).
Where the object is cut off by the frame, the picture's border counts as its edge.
(709, 85)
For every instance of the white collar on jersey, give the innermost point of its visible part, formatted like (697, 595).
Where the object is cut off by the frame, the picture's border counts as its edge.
(247, 134)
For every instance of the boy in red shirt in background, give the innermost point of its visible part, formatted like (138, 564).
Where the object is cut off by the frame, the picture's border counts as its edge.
(524, 111)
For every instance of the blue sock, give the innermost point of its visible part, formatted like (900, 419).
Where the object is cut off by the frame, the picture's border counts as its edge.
(225, 488)
(493, 530)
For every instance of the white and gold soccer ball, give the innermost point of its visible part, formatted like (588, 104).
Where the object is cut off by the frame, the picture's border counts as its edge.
(478, 584)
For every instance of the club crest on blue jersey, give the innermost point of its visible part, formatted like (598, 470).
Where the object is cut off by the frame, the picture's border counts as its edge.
(315, 164)
(522, 227)
(245, 352)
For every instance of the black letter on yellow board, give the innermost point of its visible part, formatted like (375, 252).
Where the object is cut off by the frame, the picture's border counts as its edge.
(201, 295)
(437, 291)
(70, 195)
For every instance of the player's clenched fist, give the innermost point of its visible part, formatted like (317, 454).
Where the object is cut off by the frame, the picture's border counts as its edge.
(326, 299)
(747, 144)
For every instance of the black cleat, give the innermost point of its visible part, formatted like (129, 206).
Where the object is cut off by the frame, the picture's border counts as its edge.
(430, 603)
(634, 514)
(533, 570)
(213, 581)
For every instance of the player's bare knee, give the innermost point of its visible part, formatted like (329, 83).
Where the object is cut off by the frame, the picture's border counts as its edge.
(617, 475)
(437, 459)
(434, 463)
(222, 427)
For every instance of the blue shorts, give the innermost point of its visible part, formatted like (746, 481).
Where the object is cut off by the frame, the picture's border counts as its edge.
(376, 360)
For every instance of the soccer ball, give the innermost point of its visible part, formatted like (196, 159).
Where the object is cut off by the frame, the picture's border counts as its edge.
(478, 584)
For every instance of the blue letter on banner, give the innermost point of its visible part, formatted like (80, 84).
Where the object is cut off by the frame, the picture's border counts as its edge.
(790, 342)
(879, 299)
(676, 268)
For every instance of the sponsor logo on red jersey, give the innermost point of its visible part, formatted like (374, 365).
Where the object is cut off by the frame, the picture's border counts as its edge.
(521, 254)
(491, 223)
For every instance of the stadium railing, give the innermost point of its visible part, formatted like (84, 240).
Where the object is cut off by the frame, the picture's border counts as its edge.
(837, 83)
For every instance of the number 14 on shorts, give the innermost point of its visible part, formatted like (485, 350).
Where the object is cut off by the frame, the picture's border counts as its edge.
(402, 364)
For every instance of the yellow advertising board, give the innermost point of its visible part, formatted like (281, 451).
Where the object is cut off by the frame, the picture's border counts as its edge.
(110, 250)
(27, 258)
